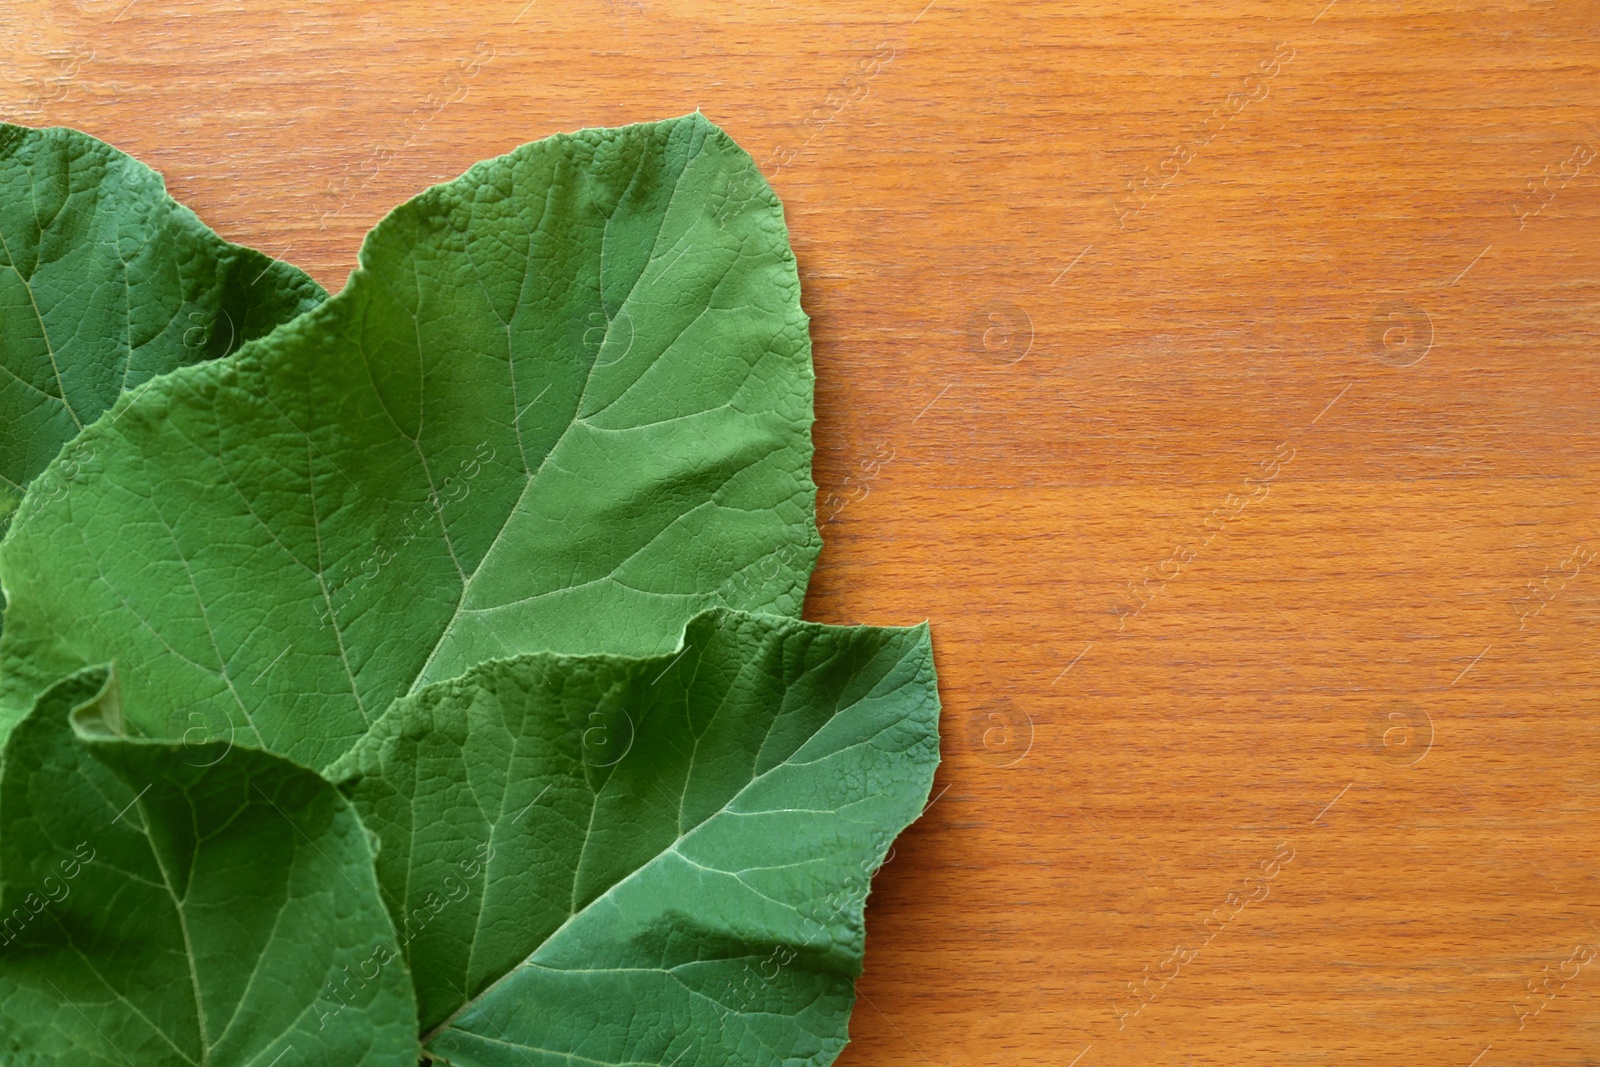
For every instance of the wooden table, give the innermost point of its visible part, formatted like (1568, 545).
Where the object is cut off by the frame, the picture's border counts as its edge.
(1235, 367)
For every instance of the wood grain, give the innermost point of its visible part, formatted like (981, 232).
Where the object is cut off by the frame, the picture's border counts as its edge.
(1080, 270)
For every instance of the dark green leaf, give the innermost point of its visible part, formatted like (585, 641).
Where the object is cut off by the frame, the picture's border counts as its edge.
(564, 404)
(664, 860)
(172, 904)
(106, 282)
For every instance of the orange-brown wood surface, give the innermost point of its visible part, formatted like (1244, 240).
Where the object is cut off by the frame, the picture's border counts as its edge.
(1219, 378)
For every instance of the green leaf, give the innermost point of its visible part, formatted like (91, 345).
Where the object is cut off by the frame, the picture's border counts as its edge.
(601, 859)
(106, 282)
(182, 904)
(564, 404)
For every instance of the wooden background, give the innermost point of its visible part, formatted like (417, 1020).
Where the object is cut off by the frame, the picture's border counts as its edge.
(1080, 270)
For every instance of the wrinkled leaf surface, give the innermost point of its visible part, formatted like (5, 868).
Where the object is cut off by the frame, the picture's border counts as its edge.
(564, 404)
(662, 860)
(171, 904)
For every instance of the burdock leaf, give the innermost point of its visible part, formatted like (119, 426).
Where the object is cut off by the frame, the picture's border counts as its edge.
(106, 282)
(600, 859)
(168, 904)
(563, 404)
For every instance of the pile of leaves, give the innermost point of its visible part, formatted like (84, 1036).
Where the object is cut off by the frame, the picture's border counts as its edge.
(416, 673)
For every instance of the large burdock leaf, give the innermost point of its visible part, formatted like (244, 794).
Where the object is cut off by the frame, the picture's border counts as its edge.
(106, 282)
(172, 904)
(564, 404)
(601, 859)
